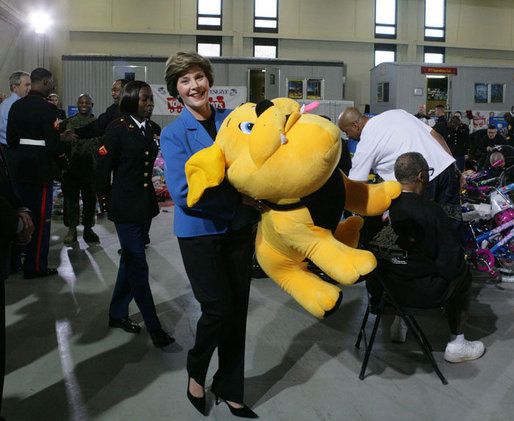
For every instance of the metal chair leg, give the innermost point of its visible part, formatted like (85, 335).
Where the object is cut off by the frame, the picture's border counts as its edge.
(421, 333)
(369, 346)
(362, 329)
(388, 298)
(414, 327)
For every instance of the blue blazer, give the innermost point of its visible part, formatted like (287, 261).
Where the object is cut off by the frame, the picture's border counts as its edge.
(216, 209)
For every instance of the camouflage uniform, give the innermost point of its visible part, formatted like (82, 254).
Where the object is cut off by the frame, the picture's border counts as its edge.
(80, 176)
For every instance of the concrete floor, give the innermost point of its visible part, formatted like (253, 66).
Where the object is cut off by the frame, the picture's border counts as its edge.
(64, 363)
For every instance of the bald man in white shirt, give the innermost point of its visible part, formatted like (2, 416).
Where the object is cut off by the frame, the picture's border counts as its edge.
(388, 135)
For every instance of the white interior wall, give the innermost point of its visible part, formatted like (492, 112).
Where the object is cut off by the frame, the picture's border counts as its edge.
(478, 32)
(18, 47)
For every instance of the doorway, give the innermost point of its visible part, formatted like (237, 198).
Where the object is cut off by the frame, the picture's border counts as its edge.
(437, 92)
(257, 85)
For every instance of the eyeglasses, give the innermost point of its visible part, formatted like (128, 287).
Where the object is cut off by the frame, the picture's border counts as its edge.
(430, 171)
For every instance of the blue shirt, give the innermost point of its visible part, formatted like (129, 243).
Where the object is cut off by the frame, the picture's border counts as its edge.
(5, 106)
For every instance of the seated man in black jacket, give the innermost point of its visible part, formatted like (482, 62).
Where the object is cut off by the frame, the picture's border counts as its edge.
(420, 258)
(492, 139)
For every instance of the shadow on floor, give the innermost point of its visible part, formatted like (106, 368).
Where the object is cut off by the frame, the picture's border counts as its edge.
(337, 334)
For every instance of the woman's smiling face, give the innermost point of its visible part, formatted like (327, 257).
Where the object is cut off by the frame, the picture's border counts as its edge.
(193, 88)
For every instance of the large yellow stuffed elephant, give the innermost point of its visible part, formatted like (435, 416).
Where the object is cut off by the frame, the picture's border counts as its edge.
(276, 153)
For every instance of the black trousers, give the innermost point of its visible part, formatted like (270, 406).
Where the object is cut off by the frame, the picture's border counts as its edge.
(455, 296)
(219, 267)
(456, 302)
(132, 280)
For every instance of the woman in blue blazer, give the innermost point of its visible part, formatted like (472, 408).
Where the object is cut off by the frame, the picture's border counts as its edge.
(215, 239)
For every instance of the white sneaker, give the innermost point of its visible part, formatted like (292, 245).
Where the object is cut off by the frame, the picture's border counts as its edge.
(398, 332)
(464, 351)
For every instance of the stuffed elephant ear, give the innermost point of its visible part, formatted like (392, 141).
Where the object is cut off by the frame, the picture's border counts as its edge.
(204, 169)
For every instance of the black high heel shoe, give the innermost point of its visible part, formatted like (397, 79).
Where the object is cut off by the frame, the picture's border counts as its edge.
(198, 403)
(244, 412)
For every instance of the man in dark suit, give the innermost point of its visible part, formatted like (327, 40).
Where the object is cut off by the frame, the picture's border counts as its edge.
(510, 128)
(16, 227)
(33, 146)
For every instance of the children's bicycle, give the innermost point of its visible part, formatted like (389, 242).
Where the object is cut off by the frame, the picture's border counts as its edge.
(490, 237)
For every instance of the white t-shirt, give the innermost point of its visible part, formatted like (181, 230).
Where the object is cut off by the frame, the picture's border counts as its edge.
(388, 135)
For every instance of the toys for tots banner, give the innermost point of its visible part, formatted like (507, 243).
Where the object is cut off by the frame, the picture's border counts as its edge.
(220, 97)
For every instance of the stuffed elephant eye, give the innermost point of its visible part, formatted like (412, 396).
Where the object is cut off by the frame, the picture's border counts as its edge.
(246, 127)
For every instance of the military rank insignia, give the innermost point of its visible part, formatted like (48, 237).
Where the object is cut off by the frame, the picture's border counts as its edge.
(102, 150)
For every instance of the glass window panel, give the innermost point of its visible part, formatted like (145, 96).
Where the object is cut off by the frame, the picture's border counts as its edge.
(386, 30)
(434, 13)
(385, 11)
(434, 58)
(209, 21)
(209, 50)
(260, 23)
(266, 51)
(383, 56)
(209, 7)
(434, 33)
(497, 90)
(266, 8)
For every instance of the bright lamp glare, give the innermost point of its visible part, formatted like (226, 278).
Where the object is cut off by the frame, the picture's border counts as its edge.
(40, 21)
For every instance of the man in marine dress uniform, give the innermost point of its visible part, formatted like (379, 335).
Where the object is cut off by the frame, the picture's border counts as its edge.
(33, 144)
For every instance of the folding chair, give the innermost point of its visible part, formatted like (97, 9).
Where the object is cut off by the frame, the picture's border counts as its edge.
(388, 305)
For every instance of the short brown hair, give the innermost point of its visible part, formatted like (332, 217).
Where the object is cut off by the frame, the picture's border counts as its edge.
(179, 63)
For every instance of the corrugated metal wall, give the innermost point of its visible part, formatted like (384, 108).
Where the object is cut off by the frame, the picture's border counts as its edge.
(94, 75)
